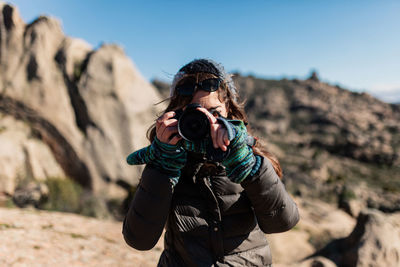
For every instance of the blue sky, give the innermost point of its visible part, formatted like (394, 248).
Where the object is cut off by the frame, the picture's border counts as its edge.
(352, 43)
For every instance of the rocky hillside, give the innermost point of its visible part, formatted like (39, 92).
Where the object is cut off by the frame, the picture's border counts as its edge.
(68, 110)
(344, 123)
(333, 144)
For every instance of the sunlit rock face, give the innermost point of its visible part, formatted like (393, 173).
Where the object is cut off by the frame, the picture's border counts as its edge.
(375, 241)
(68, 110)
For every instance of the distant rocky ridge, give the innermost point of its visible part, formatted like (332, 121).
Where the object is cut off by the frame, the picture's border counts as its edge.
(331, 141)
(319, 115)
(67, 110)
(345, 123)
(333, 144)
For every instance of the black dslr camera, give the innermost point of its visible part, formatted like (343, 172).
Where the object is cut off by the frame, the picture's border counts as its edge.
(194, 126)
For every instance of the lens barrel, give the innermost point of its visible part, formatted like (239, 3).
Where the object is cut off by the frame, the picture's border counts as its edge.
(193, 125)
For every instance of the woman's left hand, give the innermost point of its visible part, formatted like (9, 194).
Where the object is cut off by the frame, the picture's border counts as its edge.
(219, 134)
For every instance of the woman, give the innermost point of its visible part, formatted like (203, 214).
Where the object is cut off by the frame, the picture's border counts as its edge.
(216, 212)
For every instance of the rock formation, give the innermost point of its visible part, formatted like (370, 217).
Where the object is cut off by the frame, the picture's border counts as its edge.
(375, 241)
(67, 110)
(316, 114)
(330, 141)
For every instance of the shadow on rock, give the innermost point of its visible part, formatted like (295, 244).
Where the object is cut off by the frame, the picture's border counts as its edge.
(375, 241)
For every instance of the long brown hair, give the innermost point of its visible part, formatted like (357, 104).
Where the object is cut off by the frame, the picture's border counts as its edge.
(234, 108)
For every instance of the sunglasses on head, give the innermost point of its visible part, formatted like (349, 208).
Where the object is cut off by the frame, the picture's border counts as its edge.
(188, 86)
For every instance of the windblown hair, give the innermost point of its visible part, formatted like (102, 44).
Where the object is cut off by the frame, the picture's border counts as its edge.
(234, 108)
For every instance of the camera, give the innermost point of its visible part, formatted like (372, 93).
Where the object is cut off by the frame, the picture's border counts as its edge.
(194, 126)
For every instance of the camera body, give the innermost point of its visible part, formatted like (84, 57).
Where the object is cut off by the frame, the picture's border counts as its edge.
(194, 126)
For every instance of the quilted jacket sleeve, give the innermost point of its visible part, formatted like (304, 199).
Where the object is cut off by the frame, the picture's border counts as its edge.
(148, 211)
(274, 208)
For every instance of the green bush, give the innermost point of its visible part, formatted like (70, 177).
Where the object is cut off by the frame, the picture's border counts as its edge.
(78, 71)
(93, 206)
(64, 195)
(68, 196)
(2, 129)
(347, 194)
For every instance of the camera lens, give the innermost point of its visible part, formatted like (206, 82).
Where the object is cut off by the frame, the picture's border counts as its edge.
(193, 125)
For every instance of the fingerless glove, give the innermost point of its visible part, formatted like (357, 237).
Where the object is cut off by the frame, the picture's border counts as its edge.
(169, 159)
(241, 161)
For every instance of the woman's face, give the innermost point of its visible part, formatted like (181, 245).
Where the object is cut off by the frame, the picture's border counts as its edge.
(210, 101)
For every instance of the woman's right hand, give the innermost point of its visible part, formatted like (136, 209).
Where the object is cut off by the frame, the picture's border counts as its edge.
(167, 128)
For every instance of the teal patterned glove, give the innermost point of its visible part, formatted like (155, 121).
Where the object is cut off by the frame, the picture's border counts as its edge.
(241, 161)
(204, 145)
(198, 147)
(169, 159)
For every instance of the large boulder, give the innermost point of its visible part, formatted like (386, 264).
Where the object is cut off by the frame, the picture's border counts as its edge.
(290, 247)
(375, 241)
(319, 224)
(84, 110)
(23, 157)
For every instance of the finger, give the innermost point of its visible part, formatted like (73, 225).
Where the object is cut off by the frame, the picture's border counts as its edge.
(213, 125)
(160, 128)
(220, 139)
(165, 116)
(168, 132)
(170, 123)
(213, 131)
(162, 125)
(167, 124)
(226, 138)
(175, 140)
(172, 136)
(210, 116)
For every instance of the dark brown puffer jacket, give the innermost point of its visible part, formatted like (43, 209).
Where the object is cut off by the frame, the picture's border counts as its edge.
(209, 220)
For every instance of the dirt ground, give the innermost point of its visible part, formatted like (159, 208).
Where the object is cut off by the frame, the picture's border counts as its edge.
(39, 238)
